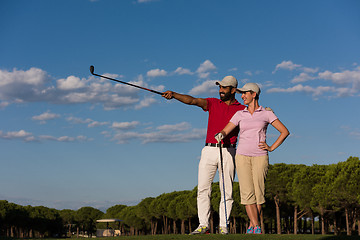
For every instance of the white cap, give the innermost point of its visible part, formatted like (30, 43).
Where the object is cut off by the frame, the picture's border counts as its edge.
(228, 81)
(249, 87)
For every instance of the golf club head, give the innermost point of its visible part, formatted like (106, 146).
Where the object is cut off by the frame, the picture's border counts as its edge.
(92, 69)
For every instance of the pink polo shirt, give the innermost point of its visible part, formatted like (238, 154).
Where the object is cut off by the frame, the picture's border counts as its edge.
(252, 130)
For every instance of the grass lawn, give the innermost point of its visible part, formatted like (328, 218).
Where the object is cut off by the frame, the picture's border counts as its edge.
(236, 237)
(217, 236)
(231, 237)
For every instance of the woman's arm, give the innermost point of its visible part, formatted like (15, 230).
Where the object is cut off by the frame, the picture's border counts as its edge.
(284, 132)
(227, 129)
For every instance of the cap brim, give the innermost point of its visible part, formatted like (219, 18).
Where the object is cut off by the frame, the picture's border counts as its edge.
(223, 85)
(241, 90)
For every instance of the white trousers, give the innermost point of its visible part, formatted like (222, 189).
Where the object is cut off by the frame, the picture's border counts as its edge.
(209, 164)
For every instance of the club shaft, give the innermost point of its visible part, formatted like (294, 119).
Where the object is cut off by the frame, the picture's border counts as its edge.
(223, 183)
(133, 85)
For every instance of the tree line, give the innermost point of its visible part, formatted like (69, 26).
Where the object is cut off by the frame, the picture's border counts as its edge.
(322, 199)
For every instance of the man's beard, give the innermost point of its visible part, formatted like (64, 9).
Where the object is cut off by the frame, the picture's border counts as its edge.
(225, 97)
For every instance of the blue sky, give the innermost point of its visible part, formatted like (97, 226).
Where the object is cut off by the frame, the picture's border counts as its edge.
(69, 139)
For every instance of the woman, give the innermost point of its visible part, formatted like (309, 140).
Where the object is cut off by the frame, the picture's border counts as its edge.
(252, 158)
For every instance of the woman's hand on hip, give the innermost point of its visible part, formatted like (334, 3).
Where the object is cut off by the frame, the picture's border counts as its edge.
(264, 146)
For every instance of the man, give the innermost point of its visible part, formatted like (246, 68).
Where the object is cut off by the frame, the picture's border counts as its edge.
(220, 112)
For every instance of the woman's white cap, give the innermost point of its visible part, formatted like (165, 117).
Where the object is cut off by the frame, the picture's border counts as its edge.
(249, 87)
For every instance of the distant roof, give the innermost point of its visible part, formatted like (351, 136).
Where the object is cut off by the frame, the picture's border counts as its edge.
(109, 220)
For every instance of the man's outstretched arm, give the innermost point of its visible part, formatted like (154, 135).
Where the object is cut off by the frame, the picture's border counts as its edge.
(187, 99)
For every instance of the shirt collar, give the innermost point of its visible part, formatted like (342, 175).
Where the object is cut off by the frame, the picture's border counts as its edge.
(234, 103)
(259, 109)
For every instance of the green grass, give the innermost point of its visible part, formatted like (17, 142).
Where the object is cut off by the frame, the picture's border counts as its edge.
(236, 237)
(217, 236)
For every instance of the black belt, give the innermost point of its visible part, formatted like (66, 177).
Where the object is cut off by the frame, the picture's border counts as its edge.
(222, 145)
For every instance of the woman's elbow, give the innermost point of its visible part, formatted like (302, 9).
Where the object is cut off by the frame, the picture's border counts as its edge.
(287, 133)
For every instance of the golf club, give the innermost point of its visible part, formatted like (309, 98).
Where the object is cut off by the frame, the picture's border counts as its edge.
(222, 174)
(112, 79)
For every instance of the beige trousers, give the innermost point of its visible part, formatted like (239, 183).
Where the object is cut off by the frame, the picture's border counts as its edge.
(252, 173)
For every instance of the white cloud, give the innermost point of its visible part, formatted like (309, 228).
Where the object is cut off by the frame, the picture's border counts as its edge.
(29, 137)
(160, 136)
(167, 133)
(249, 73)
(310, 70)
(156, 73)
(102, 87)
(4, 104)
(175, 127)
(303, 77)
(287, 65)
(106, 134)
(33, 76)
(79, 138)
(22, 134)
(344, 83)
(90, 123)
(21, 86)
(70, 83)
(97, 124)
(266, 84)
(34, 85)
(45, 117)
(146, 102)
(65, 139)
(180, 132)
(79, 120)
(183, 71)
(205, 68)
(352, 132)
(204, 75)
(205, 87)
(115, 101)
(194, 134)
(355, 134)
(300, 88)
(18, 135)
(314, 91)
(344, 77)
(79, 97)
(115, 98)
(125, 125)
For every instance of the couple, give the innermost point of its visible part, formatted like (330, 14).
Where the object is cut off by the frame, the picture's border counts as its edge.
(227, 117)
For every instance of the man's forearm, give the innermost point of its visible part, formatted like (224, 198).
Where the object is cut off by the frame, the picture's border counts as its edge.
(187, 99)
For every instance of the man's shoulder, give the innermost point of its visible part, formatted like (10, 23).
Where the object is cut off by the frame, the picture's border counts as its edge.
(213, 99)
(238, 105)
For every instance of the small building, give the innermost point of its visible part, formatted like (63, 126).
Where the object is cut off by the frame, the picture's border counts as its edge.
(108, 232)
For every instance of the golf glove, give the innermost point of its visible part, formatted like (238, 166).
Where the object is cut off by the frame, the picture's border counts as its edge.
(219, 137)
